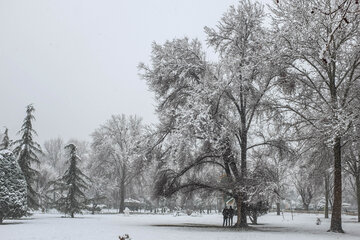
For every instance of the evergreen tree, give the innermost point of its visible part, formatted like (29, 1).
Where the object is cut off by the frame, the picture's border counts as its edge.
(5, 143)
(73, 182)
(26, 151)
(13, 199)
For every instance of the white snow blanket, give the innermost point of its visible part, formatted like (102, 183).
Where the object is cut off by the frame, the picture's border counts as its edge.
(168, 227)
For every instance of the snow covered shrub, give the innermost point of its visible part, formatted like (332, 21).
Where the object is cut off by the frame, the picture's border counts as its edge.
(13, 200)
(255, 210)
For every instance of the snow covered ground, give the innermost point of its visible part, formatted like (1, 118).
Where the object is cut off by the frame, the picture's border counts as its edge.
(168, 227)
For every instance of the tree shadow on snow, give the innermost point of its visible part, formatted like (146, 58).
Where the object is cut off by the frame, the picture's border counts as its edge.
(80, 217)
(206, 226)
(10, 223)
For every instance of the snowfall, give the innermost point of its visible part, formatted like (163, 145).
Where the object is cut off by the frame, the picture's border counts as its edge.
(168, 227)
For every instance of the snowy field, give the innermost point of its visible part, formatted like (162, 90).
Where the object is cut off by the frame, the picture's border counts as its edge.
(168, 227)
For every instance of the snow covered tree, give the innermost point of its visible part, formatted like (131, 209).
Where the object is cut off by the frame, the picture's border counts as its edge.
(82, 149)
(208, 111)
(5, 143)
(277, 159)
(26, 152)
(307, 185)
(96, 197)
(352, 162)
(353, 167)
(186, 160)
(321, 58)
(43, 185)
(54, 154)
(254, 210)
(352, 153)
(238, 39)
(52, 165)
(13, 190)
(118, 148)
(322, 159)
(74, 182)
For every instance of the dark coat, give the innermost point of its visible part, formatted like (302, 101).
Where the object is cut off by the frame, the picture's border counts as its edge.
(231, 212)
(225, 213)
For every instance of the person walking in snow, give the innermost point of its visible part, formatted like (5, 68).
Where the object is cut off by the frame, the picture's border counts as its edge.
(231, 215)
(225, 213)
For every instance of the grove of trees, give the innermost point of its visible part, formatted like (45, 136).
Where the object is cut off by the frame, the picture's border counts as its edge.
(298, 77)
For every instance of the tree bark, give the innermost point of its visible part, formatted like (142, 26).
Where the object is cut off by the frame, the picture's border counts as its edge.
(336, 225)
(122, 198)
(327, 192)
(1, 218)
(122, 190)
(306, 207)
(242, 218)
(238, 204)
(357, 181)
(255, 219)
(93, 208)
(241, 212)
(278, 209)
(240, 177)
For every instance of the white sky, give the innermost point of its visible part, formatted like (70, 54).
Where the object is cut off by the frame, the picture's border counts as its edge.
(76, 61)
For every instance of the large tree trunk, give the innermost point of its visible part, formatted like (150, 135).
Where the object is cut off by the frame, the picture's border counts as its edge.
(94, 205)
(278, 209)
(357, 182)
(1, 218)
(336, 210)
(122, 190)
(306, 206)
(240, 177)
(241, 213)
(122, 198)
(254, 219)
(242, 218)
(327, 192)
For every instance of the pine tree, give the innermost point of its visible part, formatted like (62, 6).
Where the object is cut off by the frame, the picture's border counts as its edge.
(13, 195)
(5, 143)
(73, 184)
(26, 151)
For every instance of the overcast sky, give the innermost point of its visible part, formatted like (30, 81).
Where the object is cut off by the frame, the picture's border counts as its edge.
(76, 61)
